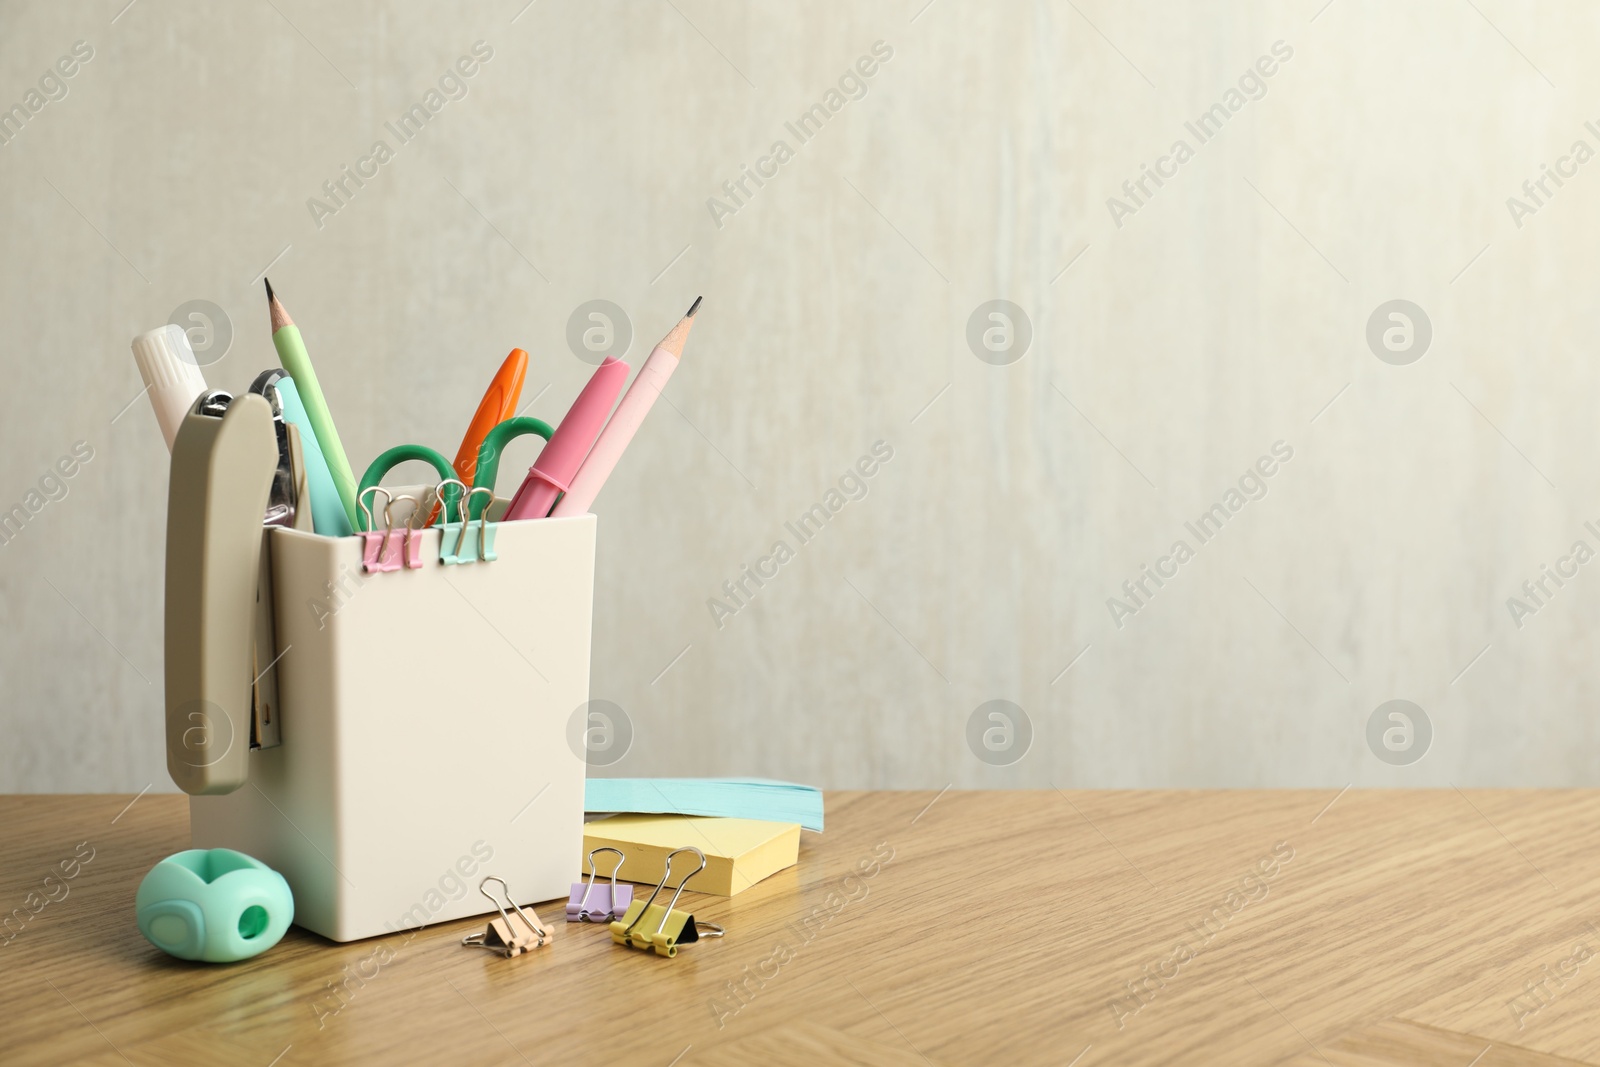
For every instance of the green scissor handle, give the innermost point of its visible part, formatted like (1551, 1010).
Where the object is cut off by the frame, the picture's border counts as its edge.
(398, 455)
(494, 444)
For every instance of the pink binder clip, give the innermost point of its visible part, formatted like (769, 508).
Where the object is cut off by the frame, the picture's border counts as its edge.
(391, 549)
(515, 932)
(599, 904)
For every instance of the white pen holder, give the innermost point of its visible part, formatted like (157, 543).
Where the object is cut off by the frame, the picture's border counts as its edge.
(428, 733)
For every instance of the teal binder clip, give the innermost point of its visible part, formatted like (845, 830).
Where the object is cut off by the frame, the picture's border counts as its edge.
(469, 541)
(215, 905)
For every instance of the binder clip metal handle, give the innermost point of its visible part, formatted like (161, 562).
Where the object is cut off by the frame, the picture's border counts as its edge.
(378, 553)
(613, 904)
(374, 546)
(669, 932)
(508, 936)
(416, 522)
(470, 545)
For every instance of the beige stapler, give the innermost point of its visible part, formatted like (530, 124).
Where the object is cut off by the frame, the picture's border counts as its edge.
(224, 461)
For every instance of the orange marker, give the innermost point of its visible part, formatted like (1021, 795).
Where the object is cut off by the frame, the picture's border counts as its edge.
(499, 403)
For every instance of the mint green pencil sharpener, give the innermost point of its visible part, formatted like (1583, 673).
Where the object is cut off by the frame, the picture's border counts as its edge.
(215, 904)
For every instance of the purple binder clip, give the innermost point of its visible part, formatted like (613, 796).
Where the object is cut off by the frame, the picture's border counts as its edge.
(598, 904)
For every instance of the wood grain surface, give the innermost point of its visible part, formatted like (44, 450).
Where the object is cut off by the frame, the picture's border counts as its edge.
(1362, 929)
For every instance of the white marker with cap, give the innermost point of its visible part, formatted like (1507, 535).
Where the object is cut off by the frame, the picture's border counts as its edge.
(171, 375)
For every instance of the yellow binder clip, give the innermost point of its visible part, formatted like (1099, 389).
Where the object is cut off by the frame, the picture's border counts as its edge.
(660, 928)
(508, 936)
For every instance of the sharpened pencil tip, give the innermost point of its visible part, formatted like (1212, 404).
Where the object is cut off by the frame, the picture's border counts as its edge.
(693, 307)
(269, 286)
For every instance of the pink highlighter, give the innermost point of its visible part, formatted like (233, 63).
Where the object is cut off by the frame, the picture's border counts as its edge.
(561, 457)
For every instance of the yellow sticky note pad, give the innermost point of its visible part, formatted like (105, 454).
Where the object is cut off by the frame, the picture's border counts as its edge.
(739, 852)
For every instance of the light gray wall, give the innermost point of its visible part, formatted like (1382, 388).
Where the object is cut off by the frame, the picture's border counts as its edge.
(1169, 352)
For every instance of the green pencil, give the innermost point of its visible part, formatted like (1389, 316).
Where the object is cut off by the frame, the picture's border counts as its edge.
(292, 351)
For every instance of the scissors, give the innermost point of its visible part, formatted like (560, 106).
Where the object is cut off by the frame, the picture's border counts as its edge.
(449, 489)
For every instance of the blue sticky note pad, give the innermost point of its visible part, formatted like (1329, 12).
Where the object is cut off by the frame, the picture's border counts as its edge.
(736, 798)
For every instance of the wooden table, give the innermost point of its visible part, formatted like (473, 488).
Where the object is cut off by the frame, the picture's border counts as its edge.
(1365, 929)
